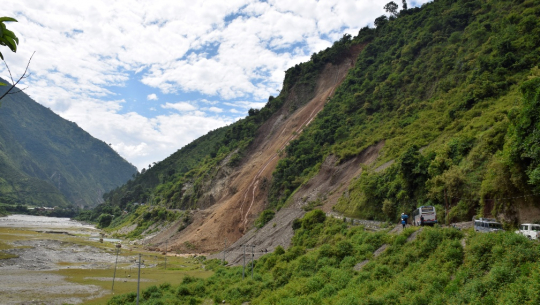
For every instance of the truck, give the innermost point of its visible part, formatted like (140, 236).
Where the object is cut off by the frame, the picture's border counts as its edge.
(487, 225)
(529, 230)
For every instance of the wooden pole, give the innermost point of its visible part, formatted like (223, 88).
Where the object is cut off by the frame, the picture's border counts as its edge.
(139, 279)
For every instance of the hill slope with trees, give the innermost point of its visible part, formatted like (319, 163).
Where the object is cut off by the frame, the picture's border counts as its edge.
(46, 160)
(448, 90)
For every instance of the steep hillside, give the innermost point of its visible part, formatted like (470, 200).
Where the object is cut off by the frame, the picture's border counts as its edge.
(433, 106)
(48, 161)
(332, 262)
(442, 86)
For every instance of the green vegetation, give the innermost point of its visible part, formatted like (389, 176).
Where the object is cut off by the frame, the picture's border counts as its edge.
(48, 161)
(434, 268)
(449, 78)
(180, 180)
(449, 87)
(4, 255)
(7, 209)
(144, 217)
(264, 218)
(7, 37)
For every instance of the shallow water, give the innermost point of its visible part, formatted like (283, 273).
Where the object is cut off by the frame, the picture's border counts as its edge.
(111, 240)
(43, 222)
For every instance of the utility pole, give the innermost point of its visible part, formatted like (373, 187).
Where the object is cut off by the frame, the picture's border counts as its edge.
(115, 263)
(139, 279)
(224, 249)
(252, 256)
(244, 270)
(166, 244)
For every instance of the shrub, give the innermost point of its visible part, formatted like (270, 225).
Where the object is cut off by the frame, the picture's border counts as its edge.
(264, 218)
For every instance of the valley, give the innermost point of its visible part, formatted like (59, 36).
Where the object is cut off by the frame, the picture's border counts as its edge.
(47, 260)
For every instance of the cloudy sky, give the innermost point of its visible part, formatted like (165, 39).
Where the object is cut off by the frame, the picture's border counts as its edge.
(149, 77)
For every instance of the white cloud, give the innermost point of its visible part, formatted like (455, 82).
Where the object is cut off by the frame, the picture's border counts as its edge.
(181, 106)
(215, 109)
(85, 49)
(245, 104)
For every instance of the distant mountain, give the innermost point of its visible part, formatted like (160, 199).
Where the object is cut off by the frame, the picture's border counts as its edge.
(46, 160)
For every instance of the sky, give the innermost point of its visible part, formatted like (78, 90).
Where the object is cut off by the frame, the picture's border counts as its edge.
(149, 77)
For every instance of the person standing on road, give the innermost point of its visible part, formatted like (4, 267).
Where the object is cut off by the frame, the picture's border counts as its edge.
(404, 217)
(403, 223)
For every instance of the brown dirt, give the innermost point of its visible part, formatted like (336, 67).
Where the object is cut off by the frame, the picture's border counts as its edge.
(234, 211)
(332, 181)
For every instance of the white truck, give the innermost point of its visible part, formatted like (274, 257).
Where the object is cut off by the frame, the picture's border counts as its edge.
(532, 231)
(487, 225)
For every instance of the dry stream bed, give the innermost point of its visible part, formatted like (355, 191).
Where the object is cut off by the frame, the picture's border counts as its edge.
(37, 267)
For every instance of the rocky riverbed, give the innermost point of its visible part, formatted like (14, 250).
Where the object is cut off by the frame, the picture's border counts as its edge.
(45, 260)
(30, 277)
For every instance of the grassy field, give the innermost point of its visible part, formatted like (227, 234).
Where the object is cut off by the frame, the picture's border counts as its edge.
(153, 272)
(126, 278)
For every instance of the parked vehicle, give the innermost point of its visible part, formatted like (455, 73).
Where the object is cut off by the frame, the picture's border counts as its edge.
(487, 225)
(532, 231)
(424, 215)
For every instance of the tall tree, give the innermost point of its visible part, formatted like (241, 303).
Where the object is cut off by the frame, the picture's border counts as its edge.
(391, 7)
(404, 5)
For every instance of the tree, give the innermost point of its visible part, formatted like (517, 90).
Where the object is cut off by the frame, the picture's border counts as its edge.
(404, 5)
(10, 40)
(7, 37)
(391, 7)
(380, 21)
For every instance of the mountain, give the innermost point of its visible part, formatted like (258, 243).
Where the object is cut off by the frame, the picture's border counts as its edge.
(437, 105)
(46, 160)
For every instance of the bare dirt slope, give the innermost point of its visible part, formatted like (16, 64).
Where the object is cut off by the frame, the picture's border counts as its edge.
(333, 180)
(242, 194)
(326, 187)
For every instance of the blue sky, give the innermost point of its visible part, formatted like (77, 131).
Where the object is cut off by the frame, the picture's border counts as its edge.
(149, 77)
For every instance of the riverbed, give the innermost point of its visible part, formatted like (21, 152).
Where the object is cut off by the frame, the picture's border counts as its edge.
(56, 261)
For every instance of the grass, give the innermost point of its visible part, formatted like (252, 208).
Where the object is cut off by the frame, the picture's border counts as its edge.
(434, 268)
(177, 267)
(7, 235)
(149, 277)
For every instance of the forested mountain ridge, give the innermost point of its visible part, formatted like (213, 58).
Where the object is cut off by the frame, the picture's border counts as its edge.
(446, 93)
(449, 78)
(48, 161)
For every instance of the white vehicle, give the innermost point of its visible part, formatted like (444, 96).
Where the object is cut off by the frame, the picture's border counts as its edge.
(532, 231)
(424, 215)
(487, 225)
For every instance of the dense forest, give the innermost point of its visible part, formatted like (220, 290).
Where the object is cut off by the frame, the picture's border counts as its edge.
(451, 88)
